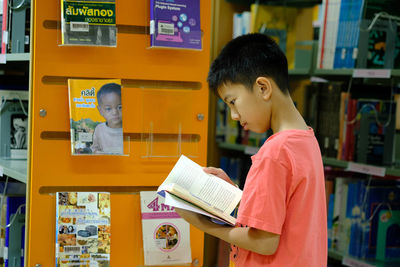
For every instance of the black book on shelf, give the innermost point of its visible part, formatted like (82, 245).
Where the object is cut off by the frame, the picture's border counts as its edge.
(328, 118)
(376, 133)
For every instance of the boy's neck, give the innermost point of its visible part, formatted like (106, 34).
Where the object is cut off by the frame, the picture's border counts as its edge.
(285, 115)
(114, 126)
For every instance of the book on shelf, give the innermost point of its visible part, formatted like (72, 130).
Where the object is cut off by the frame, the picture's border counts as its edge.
(166, 236)
(15, 233)
(85, 22)
(95, 116)
(175, 24)
(204, 193)
(278, 22)
(4, 30)
(83, 229)
(375, 132)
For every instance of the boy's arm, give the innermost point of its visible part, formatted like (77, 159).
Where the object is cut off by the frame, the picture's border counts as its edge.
(248, 238)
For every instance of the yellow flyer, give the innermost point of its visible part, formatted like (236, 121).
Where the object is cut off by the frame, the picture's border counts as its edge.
(95, 116)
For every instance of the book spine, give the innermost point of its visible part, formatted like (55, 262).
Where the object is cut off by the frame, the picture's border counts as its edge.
(341, 35)
(321, 49)
(4, 33)
(152, 23)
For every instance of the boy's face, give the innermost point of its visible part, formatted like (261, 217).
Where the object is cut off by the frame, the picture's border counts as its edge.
(251, 108)
(111, 109)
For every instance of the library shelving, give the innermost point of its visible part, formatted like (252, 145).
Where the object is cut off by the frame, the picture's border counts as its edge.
(223, 16)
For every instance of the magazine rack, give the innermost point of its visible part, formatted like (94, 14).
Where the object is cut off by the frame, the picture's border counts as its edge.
(146, 74)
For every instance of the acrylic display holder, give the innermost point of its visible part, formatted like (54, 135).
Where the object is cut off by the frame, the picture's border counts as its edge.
(174, 114)
(174, 77)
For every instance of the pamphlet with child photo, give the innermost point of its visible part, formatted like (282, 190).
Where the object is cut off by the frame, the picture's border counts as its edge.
(95, 116)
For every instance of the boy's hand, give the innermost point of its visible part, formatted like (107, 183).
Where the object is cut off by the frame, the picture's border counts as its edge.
(219, 173)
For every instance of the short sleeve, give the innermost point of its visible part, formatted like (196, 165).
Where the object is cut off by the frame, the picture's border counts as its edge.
(263, 205)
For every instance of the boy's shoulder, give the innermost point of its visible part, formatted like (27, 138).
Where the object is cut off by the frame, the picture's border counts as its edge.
(286, 141)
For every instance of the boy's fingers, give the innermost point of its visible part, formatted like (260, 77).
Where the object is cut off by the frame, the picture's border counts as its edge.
(212, 170)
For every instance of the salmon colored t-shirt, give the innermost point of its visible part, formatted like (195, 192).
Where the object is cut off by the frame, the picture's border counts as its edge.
(284, 194)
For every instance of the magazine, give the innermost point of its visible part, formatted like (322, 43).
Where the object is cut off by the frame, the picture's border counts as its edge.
(189, 184)
(85, 22)
(83, 230)
(95, 116)
(175, 24)
(166, 236)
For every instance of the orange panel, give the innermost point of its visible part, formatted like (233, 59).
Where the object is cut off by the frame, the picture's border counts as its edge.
(163, 93)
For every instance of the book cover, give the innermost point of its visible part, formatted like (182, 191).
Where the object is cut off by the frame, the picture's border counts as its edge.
(175, 24)
(278, 23)
(83, 229)
(166, 236)
(378, 198)
(95, 116)
(201, 192)
(86, 22)
(375, 132)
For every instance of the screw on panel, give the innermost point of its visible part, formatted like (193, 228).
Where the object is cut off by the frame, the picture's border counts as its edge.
(200, 116)
(195, 262)
(42, 113)
(38, 265)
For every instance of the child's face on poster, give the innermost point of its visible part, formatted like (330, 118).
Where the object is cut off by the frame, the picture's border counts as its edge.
(111, 109)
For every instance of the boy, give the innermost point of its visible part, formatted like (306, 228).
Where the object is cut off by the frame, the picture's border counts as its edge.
(282, 215)
(108, 136)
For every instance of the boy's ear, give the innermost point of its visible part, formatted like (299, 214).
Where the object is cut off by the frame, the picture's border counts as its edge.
(264, 86)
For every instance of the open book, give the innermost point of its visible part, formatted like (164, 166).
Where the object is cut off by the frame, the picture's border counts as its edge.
(191, 186)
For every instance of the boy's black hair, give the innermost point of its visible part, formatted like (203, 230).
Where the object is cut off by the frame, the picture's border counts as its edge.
(246, 58)
(108, 88)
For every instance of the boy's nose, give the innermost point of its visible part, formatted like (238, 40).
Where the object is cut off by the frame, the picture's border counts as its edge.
(234, 115)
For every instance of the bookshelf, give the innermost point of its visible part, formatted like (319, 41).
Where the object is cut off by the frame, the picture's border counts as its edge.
(224, 13)
(353, 262)
(248, 150)
(15, 168)
(18, 57)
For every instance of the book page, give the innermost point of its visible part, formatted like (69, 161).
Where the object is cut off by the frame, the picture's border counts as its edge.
(211, 190)
(176, 202)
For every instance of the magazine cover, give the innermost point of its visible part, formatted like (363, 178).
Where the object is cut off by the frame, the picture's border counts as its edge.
(19, 140)
(95, 116)
(83, 230)
(85, 22)
(166, 236)
(175, 24)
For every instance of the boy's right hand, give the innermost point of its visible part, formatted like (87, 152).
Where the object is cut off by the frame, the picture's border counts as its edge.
(219, 173)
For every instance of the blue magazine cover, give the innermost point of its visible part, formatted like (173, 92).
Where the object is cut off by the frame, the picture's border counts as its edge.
(175, 24)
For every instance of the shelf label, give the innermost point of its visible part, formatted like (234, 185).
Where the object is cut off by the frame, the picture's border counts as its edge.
(355, 263)
(250, 150)
(372, 73)
(367, 169)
